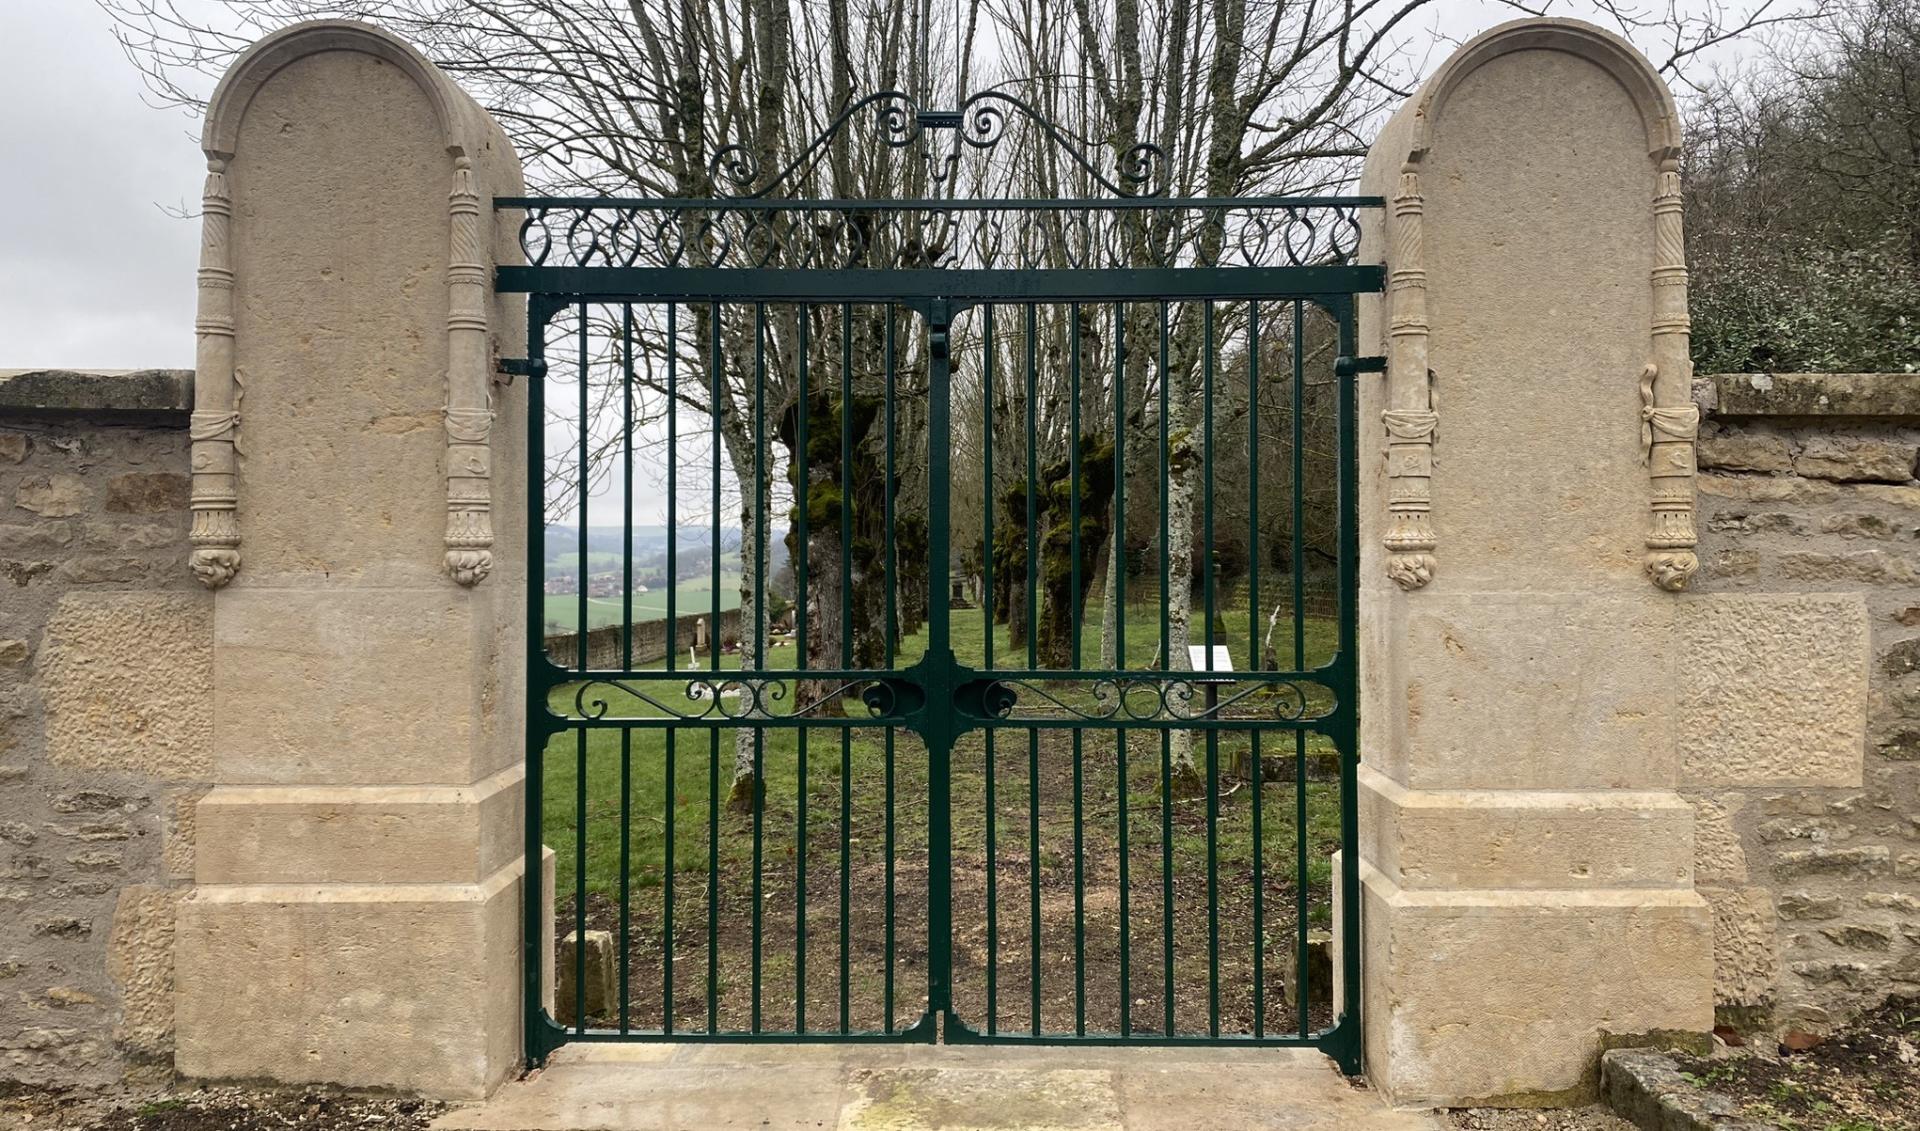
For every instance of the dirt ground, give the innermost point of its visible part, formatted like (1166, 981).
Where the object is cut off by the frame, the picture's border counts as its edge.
(1577, 1119)
(1866, 1077)
(1080, 922)
(130, 1107)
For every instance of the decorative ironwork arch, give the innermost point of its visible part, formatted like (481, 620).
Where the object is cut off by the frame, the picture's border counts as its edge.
(980, 122)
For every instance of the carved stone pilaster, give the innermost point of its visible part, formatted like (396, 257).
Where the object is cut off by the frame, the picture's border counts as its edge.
(215, 423)
(469, 412)
(1669, 420)
(1410, 419)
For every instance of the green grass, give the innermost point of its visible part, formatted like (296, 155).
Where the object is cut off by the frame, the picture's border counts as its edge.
(1065, 907)
(866, 762)
(563, 609)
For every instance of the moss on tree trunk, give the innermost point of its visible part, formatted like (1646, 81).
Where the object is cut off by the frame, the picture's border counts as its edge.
(1063, 603)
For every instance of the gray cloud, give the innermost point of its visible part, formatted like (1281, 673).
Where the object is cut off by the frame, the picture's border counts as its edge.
(93, 273)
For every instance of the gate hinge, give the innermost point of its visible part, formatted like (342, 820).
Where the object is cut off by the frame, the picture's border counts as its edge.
(1347, 365)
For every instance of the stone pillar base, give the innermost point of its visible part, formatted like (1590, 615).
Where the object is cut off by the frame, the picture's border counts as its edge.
(403, 986)
(1494, 996)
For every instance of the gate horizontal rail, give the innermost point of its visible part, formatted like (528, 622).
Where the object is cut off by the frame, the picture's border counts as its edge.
(958, 286)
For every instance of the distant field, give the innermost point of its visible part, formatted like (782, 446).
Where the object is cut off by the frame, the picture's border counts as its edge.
(694, 597)
(597, 560)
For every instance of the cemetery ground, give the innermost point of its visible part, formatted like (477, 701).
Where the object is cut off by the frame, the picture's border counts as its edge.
(864, 969)
(1866, 1077)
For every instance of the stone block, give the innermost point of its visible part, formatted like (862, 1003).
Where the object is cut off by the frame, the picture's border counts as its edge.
(146, 492)
(1519, 840)
(1881, 396)
(1901, 658)
(1719, 859)
(1850, 459)
(177, 832)
(349, 686)
(1907, 497)
(14, 447)
(1857, 524)
(1757, 489)
(1504, 999)
(1863, 862)
(164, 393)
(1746, 967)
(1746, 451)
(27, 538)
(140, 961)
(360, 834)
(127, 681)
(601, 998)
(1538, 691)
(1861, 567)
(412, 987)
(52, 496)
(1773, 689)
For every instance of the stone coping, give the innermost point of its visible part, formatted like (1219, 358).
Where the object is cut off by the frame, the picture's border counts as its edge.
(1879, 396)
(156, 394)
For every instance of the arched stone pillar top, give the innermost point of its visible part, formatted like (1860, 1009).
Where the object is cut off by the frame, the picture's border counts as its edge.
(480, 164)
(464, 125)
(1397, 167)
(1597, 45)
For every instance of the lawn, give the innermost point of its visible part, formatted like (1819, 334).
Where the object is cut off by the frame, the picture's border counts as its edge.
(696, 596)
(856, 794)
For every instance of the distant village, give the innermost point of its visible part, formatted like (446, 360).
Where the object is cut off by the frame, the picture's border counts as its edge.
(603, 584)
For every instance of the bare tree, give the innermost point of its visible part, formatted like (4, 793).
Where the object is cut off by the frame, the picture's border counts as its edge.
(1803, 197)
(636, 97)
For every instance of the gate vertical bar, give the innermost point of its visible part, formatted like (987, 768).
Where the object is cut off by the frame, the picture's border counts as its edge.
(1347, 1048)
(535, 956)
(940, 719)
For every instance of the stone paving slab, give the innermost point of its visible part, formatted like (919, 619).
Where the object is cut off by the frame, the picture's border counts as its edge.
(932, 1088)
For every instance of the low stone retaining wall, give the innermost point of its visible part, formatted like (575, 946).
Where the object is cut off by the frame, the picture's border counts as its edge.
(606, 646)
(1810, 857)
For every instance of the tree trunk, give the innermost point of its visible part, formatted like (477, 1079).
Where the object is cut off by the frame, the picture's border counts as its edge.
(1182, 462)
(1063, 604)
(745, 785)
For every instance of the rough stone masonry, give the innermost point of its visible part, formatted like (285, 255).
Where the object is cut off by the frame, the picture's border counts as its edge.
(1808, 486)
(105, 714)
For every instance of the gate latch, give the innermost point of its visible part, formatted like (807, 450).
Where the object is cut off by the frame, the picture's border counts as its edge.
(1346, 365)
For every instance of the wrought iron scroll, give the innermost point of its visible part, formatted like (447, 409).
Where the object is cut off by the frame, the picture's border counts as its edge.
(1007, 235)
(469, 411)
(213, 427)
(1145, 699)
(1410, 419)
(729, 697)
(980, 123)
(1669, 420)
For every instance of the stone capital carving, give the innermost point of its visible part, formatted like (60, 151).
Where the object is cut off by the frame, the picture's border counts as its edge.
(1669, 420)
(469, 410)
(1411, 419)
(215, 424)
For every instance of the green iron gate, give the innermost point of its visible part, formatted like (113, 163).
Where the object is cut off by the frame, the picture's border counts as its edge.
(910, 810)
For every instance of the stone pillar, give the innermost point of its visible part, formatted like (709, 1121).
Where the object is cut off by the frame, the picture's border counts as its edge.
(1527, 864)
(356, 911)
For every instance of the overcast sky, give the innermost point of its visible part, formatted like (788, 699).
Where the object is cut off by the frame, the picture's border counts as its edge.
(93, 274)
(96, 262)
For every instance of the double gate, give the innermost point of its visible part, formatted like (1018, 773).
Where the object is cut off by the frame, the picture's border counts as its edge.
(942, 616)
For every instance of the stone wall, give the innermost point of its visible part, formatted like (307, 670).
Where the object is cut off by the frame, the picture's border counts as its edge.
(105, 709)
(606, 646)
(1811, 859)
